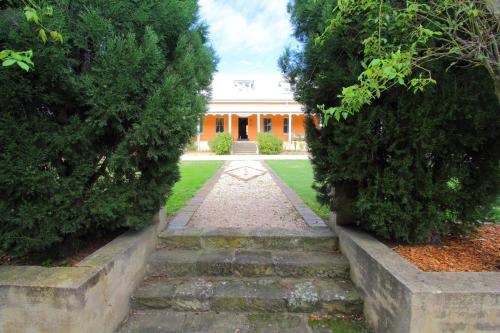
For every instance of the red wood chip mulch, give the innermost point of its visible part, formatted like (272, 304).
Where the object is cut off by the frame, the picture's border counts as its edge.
(478, 253)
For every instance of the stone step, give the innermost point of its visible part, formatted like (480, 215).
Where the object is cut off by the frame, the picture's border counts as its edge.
(246, 263)
(244, 148)
(267, 295)
(320, 239)
(162, 321)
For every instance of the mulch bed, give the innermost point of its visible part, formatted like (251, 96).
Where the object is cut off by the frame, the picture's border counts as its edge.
(477, 253)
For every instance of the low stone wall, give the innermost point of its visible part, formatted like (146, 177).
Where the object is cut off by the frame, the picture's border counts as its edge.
(400, 298)
(92, 297)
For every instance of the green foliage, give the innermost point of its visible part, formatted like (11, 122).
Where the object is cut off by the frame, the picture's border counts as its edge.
(420, 165)
(91, 139)
(34, 14)
(401, 38)
(269, 144)
(193, 175)
(221, 144)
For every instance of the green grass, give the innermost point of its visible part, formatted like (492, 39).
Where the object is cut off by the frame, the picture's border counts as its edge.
(193, 175)
(338, 325)
(298, 174)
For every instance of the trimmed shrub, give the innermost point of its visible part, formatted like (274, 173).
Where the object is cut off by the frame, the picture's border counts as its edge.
(90, 140)
(221, 144)
(269, 144)
(410, 167)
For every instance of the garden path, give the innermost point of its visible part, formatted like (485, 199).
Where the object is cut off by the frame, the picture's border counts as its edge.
(246, 196)
(245, 255)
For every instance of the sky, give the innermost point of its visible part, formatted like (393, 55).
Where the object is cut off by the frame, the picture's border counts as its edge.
(248, 35)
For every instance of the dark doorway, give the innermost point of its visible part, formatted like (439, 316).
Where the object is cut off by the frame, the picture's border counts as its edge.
(242, 129)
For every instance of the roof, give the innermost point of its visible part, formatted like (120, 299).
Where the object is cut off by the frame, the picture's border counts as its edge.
(251, 94)
(250, 88)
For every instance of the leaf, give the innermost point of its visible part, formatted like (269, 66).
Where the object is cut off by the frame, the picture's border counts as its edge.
(8, 62)
(4, 54)
(23, 66)
(43, 35)
(56, 36)
(31, 15)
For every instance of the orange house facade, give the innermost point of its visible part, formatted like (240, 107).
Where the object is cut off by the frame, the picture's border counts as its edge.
(247, 106)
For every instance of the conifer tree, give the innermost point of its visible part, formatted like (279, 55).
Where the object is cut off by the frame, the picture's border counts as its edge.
(411, 167)
(90, 138)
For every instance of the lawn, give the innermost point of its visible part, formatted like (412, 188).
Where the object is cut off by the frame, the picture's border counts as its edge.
(193, 175)
(298, 174)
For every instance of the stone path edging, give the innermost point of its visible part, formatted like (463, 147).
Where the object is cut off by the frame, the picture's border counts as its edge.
(182, 217)
(312, 220)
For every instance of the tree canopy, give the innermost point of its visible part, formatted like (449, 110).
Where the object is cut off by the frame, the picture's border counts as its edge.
(402, 38)
(411, 166)
(90, 140)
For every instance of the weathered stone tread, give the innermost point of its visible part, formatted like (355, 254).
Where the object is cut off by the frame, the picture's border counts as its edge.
(270, 295)
(310, 239)
(161, 321)
(246, 263)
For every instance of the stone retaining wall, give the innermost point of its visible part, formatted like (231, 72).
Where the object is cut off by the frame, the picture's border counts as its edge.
(400, 298)
(92, 297)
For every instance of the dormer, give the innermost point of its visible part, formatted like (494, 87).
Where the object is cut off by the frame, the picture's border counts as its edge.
(244, 85)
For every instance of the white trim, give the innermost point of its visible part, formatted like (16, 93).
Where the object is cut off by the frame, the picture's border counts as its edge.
(290, 128)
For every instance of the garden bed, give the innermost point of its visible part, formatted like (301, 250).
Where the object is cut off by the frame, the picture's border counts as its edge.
(400, 298)
(476, 253)
(91, 296)
(70, 255)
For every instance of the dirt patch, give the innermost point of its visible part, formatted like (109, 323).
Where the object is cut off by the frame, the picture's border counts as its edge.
(477, 253)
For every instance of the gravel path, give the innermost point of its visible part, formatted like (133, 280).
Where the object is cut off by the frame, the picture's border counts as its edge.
(246, 196)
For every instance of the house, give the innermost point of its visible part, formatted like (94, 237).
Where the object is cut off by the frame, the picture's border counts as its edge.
(244, 106)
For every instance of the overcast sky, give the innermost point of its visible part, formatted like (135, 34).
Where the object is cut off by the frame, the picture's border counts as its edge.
(248, 35)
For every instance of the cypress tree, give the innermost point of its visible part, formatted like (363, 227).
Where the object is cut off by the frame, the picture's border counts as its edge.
(91, 138)
(413, 167)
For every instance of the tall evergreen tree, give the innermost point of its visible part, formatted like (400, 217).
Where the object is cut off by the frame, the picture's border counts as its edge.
(411, 167)
(90, 139)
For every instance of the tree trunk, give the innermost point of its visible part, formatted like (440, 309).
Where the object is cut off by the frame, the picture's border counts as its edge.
(344, 196)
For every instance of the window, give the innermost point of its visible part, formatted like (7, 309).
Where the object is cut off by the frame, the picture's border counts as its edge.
(286, 126)
(200, 126)
(244, 85)
(219, 125)
(268, 125)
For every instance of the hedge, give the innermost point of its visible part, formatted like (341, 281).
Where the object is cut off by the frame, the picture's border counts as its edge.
(221, 144)
(412, 167)
(269, 144)
(90, 140)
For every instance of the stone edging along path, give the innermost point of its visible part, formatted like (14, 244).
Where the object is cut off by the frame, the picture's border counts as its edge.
(307, 214)
(184, 215)
(182, 218)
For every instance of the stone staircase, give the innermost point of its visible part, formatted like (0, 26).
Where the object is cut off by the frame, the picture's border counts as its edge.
(236, 281)
(244, 148)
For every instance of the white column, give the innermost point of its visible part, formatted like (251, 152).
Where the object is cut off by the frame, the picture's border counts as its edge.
(230, 116)
(258, 122)
(290, 128)
(198, 137)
